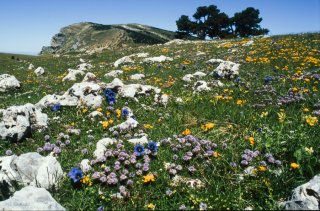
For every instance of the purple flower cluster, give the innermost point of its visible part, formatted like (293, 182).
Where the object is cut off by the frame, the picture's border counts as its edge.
(186, 149)
(248, 157)
(122, 166)
(56, 148)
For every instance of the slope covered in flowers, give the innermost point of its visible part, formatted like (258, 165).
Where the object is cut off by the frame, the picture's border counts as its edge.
(246, 143)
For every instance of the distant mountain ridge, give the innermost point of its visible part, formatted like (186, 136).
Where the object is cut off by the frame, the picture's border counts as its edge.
(92, 37)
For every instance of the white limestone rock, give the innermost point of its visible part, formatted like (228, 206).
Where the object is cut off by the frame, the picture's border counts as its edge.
(84, 66)
(200, 86)
(135, 141)
(196, 75)
(200, 53)
(17, 122)
(215, 61)
(161, 99)
(30, 67)
(39, 71)
(137, 76)
(115, 84)
(129, 124)
(8, 82)
(30, 169)
(95, 114)
(226, 69)
(101, 146)
(31, 198)
(131, 90)
(84, 93)
(158, 59)
(306, 196)
(90, 77)
(187, 78)
(123, 60)
(113, 74)
(72, 75)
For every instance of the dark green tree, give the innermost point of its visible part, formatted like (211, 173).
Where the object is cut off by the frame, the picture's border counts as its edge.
(184, 24)
(246, 23)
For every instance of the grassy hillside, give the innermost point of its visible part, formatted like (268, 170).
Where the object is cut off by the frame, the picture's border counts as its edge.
(92, 37)
(243, 115)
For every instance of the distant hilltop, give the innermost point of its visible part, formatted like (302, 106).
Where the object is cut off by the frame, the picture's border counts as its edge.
(92, 37)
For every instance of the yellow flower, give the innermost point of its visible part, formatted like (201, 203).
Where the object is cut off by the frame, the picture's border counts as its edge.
(281, 116)
(84, 110)
(311, 120)
(216, 154)
(147, 126)
(264, 114)
(149, 178)
(186, 132)
(251, 140)
(99, 109)
(306, 110)
(262, 168)
(151, 206)
(118, 111)
(241, 102)
(110, 121)
(207, 126)
(105, 124)
(294, 166)
(86, 181)
(295, 89)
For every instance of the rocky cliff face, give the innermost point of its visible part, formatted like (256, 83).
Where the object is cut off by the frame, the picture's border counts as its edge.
(91, 37)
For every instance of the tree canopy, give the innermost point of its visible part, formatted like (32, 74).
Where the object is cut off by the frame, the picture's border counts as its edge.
(210, 21)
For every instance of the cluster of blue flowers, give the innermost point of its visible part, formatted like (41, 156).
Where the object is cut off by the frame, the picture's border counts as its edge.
(139, 149)
(75, 174)
(110, 95)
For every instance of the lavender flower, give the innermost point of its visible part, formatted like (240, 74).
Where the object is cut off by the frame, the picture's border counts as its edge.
(56, 150)
(129, 183)
(103, 179)
(191, 169)
(244, 163)
(8, 152)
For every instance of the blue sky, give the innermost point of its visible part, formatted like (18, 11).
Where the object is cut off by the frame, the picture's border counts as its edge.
(27, 25)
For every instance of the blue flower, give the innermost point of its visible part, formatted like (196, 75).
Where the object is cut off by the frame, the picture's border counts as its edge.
(125, 112)
(55, 107)
(268, 79)
(139, 150)
(110, 95)
(75, 174)
(152, 146)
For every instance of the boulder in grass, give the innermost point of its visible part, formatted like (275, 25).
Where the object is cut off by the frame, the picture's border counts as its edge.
(72, 75)
(226, 69)
(306, 196)
(29, 169)
(113, 73)
(17, 122)
(39, 71)
(158, 59)
(31, 198)
(8, 82)
(123, 60)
